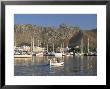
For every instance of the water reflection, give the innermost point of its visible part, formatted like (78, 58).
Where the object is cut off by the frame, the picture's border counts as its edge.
(39, 66)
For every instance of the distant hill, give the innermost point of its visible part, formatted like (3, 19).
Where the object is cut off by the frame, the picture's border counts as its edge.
(64, 34)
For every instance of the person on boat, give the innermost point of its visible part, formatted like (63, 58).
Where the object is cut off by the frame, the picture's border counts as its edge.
(54, 60)
(58, 60)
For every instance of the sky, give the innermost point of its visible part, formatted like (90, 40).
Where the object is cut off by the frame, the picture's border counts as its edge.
(84, 21)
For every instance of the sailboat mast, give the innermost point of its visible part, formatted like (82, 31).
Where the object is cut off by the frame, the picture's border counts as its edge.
(15, 44)
(47, 47)
(88, 45)
(33, 44)
(38, 43)
(61, 48)
(82, 46)
(53, 47)
(63, 44)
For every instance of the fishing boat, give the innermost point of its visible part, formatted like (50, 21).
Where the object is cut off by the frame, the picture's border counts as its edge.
(56, 63)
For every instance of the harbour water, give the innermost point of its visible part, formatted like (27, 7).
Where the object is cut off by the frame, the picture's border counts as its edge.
(39, 66)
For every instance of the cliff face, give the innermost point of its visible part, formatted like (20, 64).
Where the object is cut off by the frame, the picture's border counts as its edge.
(64, 34)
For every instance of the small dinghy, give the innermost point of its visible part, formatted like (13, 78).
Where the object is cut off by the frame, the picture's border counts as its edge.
(56, 63)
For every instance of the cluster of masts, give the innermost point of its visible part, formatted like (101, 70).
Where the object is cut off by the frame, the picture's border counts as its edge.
(61, 48)
(62, 45)
(82, 45)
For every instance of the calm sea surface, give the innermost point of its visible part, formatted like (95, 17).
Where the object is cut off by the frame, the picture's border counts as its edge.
(73, 66)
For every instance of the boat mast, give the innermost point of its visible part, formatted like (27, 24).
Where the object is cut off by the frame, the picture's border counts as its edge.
(38, 43)
(82, 46)
(63, 44)
(15, 44)
(88, 45)
(61, 48)
(47, 47)
(33, 44)
(53, 47)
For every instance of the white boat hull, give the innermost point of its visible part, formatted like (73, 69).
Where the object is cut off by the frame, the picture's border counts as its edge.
(58, 54)
(56, 64)
(22, 56)
(39, 54)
